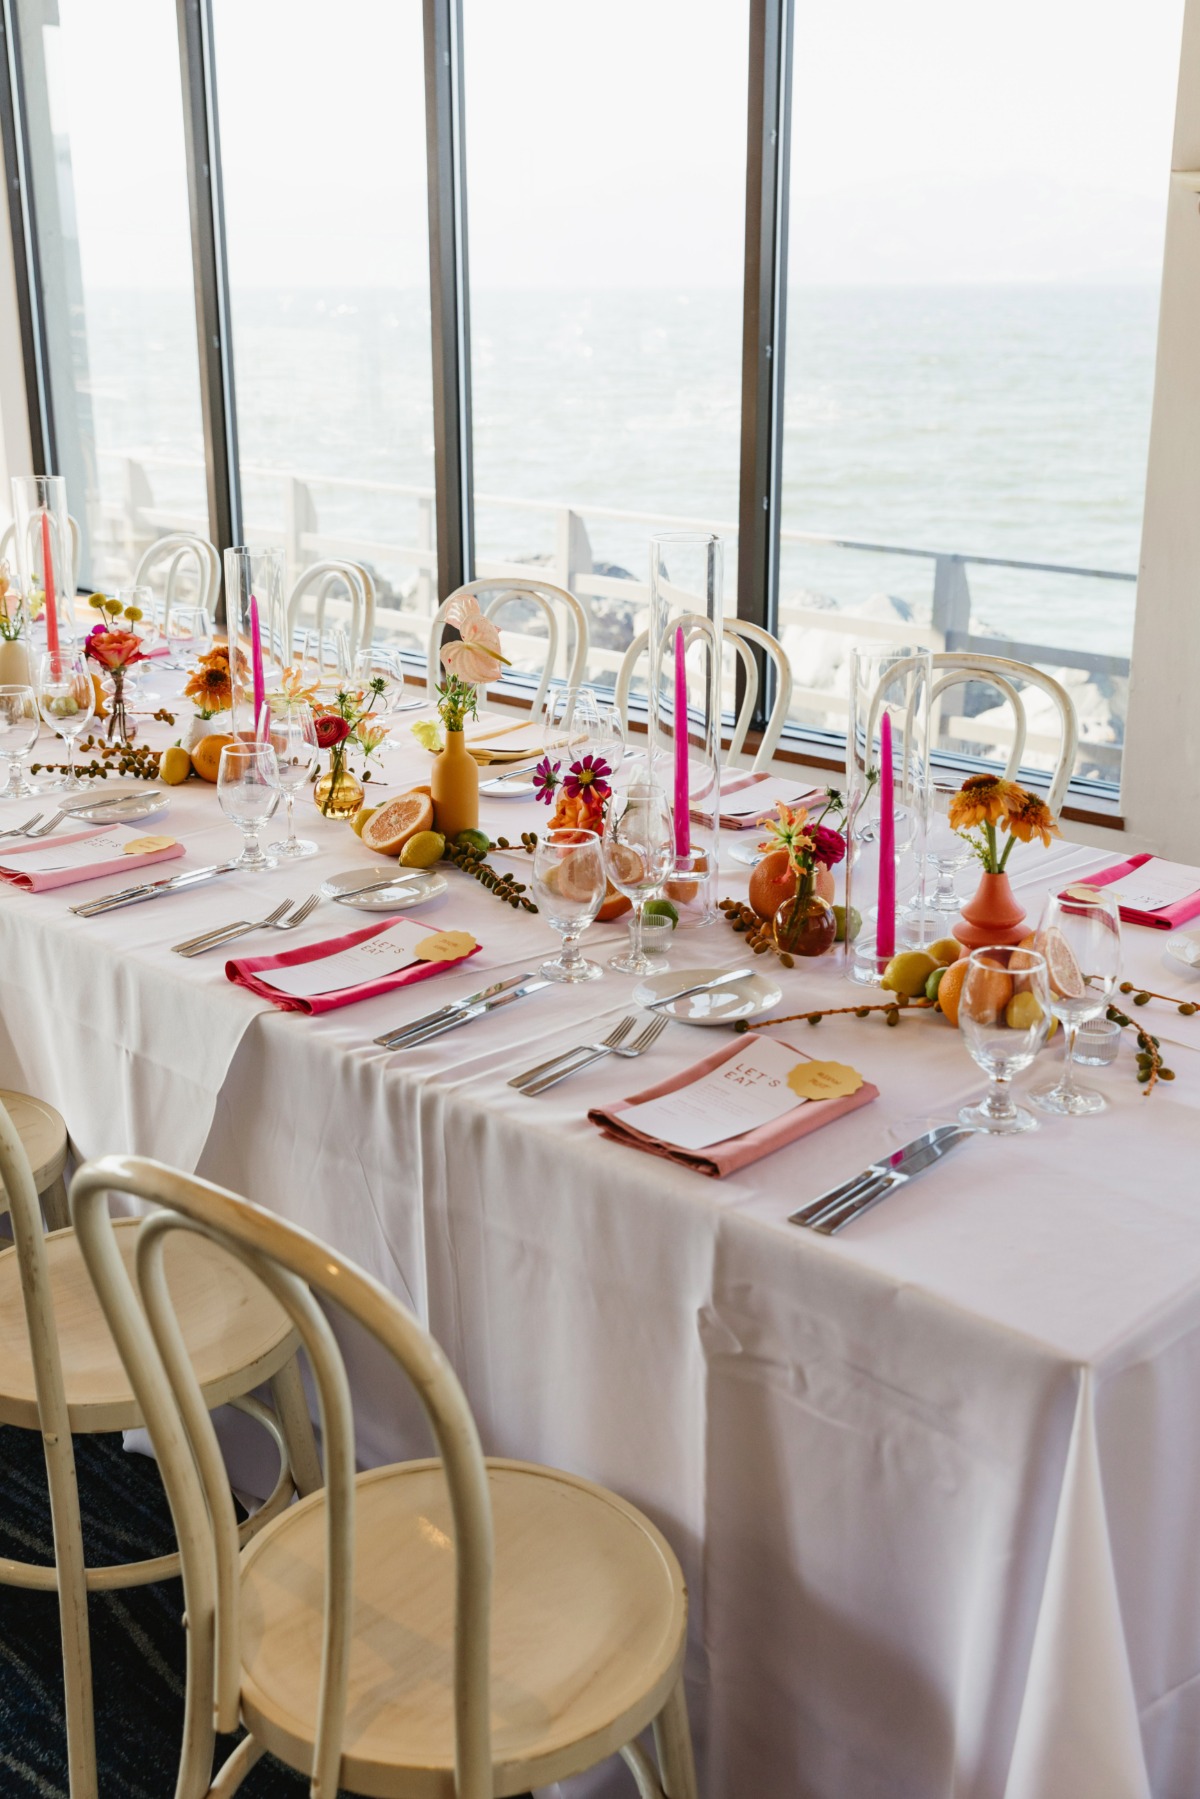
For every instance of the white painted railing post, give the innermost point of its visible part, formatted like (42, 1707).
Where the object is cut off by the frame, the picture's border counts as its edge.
(299, 517)
(426, 586)
(951, 602)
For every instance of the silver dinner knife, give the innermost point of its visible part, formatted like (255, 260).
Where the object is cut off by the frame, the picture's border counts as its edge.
(889, 1174)
(352, 893)
(392, 1039)
(837, 1196)
(118, 802)
(130, 896)
(722, 980)
(464, 1017)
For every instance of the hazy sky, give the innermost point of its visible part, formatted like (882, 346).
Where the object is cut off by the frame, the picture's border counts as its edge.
(937, 140)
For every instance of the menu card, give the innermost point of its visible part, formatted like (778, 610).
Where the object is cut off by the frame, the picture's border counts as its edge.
(1155, 884)
(741, 1094)
(73, 850)
(372, 960)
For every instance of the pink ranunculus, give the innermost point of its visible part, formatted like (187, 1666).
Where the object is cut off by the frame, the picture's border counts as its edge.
(331, 730)
(113, 649)
(828, 847)
(471, 663)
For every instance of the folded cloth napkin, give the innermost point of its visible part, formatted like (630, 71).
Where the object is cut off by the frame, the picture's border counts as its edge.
(1166, 919)
(40, 880)
(254, 972)
(735, 1152)
(752, 805)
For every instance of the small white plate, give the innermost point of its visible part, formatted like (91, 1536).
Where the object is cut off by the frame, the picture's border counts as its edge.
(420, 884)
(99, 808)
(1184, 952)
(516, 789)
(746, 998)
(747, 853)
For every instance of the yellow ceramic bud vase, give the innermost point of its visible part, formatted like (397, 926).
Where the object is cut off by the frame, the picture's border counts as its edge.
(455, 784)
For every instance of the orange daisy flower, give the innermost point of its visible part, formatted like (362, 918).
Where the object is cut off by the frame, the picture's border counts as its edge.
(1027, 816)
(981, 800)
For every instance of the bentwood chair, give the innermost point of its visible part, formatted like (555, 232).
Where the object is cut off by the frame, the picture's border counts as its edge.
(743, 636)
(42, 1133)
(493, 595)
(60, 1373)
(323, 580)
(458, 1628)
(173, 558)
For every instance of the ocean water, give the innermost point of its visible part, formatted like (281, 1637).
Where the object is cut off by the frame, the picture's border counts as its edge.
(995, 421)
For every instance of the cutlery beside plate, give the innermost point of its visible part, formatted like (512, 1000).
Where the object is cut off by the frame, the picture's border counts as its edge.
(365, 890)
(833, 1211)
(709, 996)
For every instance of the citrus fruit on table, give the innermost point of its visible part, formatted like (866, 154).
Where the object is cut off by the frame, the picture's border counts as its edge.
(661, 908)
(613, 905)
(991, 991)
(423, 850)
(839, 913)
(908, 972)
(174, 765)
(946, 950)
(391, 825)
(360, 818)
(473, 839)
(1023, 1012)
(950, 988)
(1066, 977)
(774, 880)
(933, 983)
(206, 757)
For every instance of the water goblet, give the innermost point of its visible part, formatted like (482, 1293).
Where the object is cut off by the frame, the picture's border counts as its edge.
(189, 633)
(19, 727)
(570, 724)
(67, 701)
(1004, 1015)
(292, 733)
(639, 853)
(1080, 938)
(568, 880)
(948, 853)
(248, 793)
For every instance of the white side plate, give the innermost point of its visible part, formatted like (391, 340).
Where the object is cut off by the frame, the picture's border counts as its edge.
(419, 885)
(747, 998)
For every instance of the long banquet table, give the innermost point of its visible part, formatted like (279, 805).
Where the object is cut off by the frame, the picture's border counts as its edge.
(935, 1483)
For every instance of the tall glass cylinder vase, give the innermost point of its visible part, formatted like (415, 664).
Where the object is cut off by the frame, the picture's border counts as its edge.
(251, 575)
(45, 556)
(686, 646)
(887, 790)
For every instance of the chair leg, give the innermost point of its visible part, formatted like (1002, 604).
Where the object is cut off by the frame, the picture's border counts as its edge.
(73, 1618)
(673, 1741)
(287, 1390)
(235, 1770)
(55, 1209)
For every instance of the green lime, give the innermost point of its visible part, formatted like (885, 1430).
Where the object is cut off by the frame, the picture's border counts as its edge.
(475, 840)
(839, 912)
(662, 909)
(423, 849)
(933, 983)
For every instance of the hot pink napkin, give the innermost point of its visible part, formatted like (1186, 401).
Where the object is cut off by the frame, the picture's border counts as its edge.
(250, 970)
(736, 1152)
(1180, 913)
(34, 882)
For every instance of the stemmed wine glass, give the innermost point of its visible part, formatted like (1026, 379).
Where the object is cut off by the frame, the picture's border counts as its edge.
(1080, 937)
(568, 879)
(639, 853)
(248, 793)
(189, 634)
(292, 733)
(947, 851)
(570, 724)
(19, 727)
(1004, 1015)
(67, 701)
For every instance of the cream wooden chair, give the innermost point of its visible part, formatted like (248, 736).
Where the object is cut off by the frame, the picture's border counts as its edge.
(60, 1372)
(446, 1629)
(42, 1133)
(321, 580)
(496, 593)
(743, 636)
(168, 558)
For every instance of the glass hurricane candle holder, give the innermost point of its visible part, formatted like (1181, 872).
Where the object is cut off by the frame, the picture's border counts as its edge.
(45, 556)
(887, 806)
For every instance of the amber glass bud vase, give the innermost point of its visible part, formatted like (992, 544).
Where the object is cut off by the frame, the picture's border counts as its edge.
(805, 924)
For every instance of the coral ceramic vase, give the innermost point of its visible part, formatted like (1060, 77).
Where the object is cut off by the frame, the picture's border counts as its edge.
(992, 916)
(455, 784)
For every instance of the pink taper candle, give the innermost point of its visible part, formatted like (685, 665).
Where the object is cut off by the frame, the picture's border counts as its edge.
(885, 932)
(683, 823)
(48, 586)
(256, 663)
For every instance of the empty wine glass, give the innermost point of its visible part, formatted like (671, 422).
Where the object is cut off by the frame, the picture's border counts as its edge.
(67, 701)
(19, 727)
(639, 853)
(145, 626)
(948, 853)
(383, 662)
(292, 733)
(570, 724)
(568, 879)
(1080, 938)
(248, 793)
(189, 634)
(1004, 1015)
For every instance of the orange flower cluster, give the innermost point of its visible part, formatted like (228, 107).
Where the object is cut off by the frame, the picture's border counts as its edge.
(210, 684)
(990, 800)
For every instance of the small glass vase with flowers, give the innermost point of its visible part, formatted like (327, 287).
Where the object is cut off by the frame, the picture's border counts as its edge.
(115, 650)
(985, 810)
(799, 884)
(346, 725)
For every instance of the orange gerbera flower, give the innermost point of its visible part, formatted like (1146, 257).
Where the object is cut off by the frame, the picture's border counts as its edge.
(981, 800)
(209, 685)
(1027, 816)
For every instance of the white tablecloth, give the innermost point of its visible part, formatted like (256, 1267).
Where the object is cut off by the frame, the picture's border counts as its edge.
(934, 1483)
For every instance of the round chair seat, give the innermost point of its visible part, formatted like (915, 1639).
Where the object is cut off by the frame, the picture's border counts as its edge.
(43, 1134)
(589, 1614)
(236, 1333)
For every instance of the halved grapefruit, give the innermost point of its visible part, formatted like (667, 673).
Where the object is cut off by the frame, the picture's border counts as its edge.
(1066, 977)
(389, 828)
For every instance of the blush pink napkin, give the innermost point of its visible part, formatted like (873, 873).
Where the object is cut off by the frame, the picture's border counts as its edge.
(735, 1152)
(1180, 913)
(252, 972)
(34, 882)
(734, 820)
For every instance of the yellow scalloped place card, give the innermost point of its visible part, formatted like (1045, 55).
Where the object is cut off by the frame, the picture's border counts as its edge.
(824, 1080)
(444, 946)
(146, 846)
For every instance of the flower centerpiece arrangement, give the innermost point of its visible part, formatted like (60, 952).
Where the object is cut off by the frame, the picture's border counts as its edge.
(992, 814)
(14, 612)
(210, 689)
(347, 724)
(803, 922)
(470, 663)
(115, 650)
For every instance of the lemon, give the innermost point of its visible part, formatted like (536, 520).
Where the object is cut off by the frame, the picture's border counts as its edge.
(475, 840)
(661, 908)
(839, 913)
(1023, 1012)
(933, 983)
(360, 818)
(946, 950)
(423, 850)
(174, 765)
(908, 972)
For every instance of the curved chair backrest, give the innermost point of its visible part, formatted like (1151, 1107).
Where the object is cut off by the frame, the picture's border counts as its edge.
(743, 636)
(8, 544)
(177, 550)
(495, 593)
(323, 578)
(293, 1266)
(954, 668)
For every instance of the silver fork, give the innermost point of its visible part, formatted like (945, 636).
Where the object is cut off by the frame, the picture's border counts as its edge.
(617, 1035)
(209, 939)
(22, 830)
(638, 1047)
(299, 915)
(45, 830)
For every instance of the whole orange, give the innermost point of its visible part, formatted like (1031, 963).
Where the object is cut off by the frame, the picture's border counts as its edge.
(774, 880)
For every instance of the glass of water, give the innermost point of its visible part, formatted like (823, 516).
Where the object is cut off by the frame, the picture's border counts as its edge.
(19, 727)
(67, 701)
(292, 733)
(248, 793)
(568, 880)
